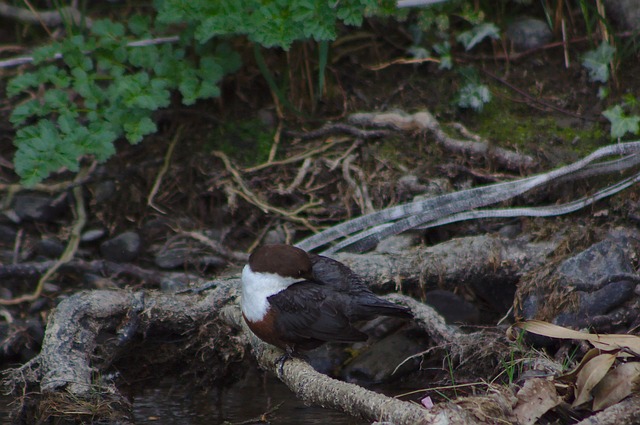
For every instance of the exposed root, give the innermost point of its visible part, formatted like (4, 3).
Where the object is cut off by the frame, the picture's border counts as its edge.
(163, 171)
(67, 255)
(424, 121)
(254, 199)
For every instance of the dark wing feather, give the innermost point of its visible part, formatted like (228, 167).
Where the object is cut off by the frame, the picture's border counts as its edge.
(309, 311)
(363, 304)
(330, 272)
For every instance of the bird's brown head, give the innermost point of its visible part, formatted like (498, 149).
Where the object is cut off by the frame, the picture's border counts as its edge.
(284, 260)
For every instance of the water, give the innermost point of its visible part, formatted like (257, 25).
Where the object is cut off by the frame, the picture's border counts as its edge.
(246, 400)
(174, 403)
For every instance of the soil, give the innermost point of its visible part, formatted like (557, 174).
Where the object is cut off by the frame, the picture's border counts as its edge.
(540, 107)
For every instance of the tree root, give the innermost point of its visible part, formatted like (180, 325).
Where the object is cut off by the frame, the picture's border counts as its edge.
(424, 121)
(314, 387)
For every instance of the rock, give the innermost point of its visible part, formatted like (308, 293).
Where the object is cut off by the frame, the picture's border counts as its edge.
(20, 340)
(172, 258)
(123, 248)
(597, 303)
(92, 235)
(378, 363)
(180, 257)
(600, 260)
(601, 279)
(49, 248)
(7, 234)
(104, 191)
(529, 33)
(39, 207)
(625, 13)
(452, 307)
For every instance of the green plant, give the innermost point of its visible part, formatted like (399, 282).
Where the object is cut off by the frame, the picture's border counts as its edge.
(268, 23)
(102, 89)
(473, 94)
(451, 370)
(272, 23)
(621, 122)
(90, 89)
(477, 33)
(597, 62)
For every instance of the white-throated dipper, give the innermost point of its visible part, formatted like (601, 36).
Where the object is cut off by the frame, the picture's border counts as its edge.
(298, 301)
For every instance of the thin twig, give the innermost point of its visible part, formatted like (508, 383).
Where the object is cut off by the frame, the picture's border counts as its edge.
(297, 181)
(67, 255)
(296, 158)
(254, 199)
(401, 61)
(333, 129)
(162, 172)
(216, 246)
(276, 143)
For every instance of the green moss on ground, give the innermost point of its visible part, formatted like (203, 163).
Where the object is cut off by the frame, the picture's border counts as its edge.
(507, 123)
(246, 141)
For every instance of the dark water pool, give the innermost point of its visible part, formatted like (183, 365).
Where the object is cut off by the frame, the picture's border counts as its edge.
(174, 403)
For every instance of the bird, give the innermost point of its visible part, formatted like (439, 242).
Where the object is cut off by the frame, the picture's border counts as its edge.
(298, 301)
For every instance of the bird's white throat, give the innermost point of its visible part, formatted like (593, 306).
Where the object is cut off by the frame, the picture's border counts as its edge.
(257, 287)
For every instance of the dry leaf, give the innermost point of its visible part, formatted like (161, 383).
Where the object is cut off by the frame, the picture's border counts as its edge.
(591, 374)
(606, 342)
(536, 398)
(618, 384)
(571, 376)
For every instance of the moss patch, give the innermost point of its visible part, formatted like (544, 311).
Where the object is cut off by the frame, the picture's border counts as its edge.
(246, 141)
(508, 123)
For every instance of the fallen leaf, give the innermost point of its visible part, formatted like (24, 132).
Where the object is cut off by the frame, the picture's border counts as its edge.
(590, 375)
(536, 397)
(570, 377)
(606, 342)
(616, 385)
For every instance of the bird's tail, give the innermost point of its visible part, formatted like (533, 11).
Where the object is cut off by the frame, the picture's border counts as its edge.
(374, 306)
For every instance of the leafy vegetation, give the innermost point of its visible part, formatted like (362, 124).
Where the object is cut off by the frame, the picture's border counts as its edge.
(621, 122)
(268, 23)
(597, 62)
(103, 89)
(95, 86)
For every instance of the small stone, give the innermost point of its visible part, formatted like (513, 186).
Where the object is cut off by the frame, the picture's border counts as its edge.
(529, 33)
(50, 248)
(123, 248)
(92, 235)
(7, 234)
(38, 207)
(625, 13)
(104, 191)
(172, 258)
